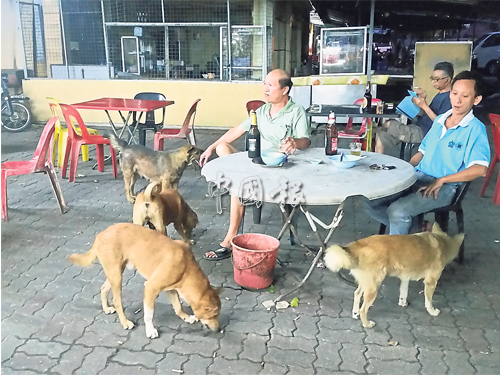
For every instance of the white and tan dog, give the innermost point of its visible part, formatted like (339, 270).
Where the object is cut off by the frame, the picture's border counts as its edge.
(168, 265)
(409, 257)
(159, 208)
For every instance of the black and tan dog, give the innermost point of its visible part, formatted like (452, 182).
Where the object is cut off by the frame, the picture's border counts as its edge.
(168, 265)
(159, 166)
(409, 257)
(159, 207)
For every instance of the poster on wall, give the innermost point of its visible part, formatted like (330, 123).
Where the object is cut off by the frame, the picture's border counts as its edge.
(343, 50)
(428, 54)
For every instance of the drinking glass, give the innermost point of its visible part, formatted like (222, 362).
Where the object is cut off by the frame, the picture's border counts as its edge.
(355, 148)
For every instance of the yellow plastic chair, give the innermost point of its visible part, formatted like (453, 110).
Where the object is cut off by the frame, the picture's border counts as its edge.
(61, 135)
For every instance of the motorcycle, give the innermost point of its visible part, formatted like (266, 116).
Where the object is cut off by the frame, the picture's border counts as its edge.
(16, 116)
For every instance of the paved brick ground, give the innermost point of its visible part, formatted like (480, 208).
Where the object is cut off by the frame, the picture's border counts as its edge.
(52, 322)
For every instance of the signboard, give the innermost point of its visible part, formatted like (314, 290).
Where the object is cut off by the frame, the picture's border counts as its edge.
(343, 50)
(428, 54)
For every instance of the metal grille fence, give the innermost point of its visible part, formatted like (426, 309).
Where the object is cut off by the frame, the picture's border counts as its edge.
(148, 39)
(33, 40)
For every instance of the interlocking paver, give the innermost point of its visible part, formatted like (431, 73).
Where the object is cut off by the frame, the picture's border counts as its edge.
(141, 358)
(458, 363)
(223, 366)
(292, 357)
(9, 345)
(71, 360)
(22, 361)
(52, 319)
(196, 365)
(95, 361)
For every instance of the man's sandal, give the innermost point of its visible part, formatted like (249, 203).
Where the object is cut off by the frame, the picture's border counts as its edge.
(219, 254)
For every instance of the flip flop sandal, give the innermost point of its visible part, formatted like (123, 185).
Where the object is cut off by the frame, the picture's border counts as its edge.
(221, 253)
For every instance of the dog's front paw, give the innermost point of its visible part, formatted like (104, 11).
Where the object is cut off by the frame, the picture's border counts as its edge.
(191, 319)
(403, 302)
(433, 311)
(355, 315)
(370, 324)
(109, 310)
(128, 325)
(151, 332)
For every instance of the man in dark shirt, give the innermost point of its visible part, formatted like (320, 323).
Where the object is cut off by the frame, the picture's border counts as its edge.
(394, 132)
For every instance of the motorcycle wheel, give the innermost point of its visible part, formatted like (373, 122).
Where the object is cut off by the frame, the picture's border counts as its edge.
(19, 120)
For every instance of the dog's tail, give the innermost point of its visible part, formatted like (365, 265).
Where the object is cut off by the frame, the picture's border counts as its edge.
(85, 260)
(152, 188)
(336, 258)
(117, 143)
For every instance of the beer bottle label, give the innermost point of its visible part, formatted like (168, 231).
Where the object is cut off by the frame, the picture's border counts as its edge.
(334, 144)
(252, 145)
(365, 102)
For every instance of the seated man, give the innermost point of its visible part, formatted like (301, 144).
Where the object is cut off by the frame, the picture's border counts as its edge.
(281, 122)
(455, 150)
(393, 132)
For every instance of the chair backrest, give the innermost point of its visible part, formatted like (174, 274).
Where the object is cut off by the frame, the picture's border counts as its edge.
(150, 116)
(44, 148)
(460, 193)
(495, 129)
(71, 113)
(186, 128)
(254, 104)
(55, 110)
(363, 123)
(360, 101)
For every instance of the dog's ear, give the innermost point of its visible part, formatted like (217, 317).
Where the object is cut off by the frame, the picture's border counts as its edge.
(436, 229)
(218, 290)
(459, 238)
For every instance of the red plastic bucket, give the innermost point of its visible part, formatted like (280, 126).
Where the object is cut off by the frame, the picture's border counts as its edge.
(254, 258)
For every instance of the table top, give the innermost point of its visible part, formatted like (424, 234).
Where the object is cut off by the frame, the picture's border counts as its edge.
(347, 111)
(321, 184)
(122, 104)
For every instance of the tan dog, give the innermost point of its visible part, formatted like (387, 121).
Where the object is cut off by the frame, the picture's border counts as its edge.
(162, 207)
(409, 257)
(168, 265)
(159, 166)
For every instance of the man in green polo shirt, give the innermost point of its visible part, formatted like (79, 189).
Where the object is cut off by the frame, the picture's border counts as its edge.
(280, 122)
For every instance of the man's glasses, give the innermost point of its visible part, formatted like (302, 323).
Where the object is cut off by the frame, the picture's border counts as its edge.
(436, 79)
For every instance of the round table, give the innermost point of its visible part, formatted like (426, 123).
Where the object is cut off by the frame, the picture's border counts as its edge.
(322, 184)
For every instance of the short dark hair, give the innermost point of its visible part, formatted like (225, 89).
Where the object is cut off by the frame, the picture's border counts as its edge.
(473, 76)
(446, 67)
(285, 80)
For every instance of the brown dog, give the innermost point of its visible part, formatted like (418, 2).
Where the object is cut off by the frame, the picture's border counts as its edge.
(159, 208)
(168, 265)
(409, 257)
(159, 166)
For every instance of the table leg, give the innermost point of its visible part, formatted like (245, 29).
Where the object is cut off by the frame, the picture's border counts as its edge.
(311, 220)
(289, 224)
(126, 126)
(134, 130)
(111, 123)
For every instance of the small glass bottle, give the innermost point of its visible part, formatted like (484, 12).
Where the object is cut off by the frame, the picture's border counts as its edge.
(253, 137)
(331, 135)
(367, 99)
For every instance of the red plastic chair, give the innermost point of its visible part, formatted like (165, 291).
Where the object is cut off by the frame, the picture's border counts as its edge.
(495, 129)
(186, 130)
(357, 135)
(254, 104)
(41, 162)
(75, 142)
